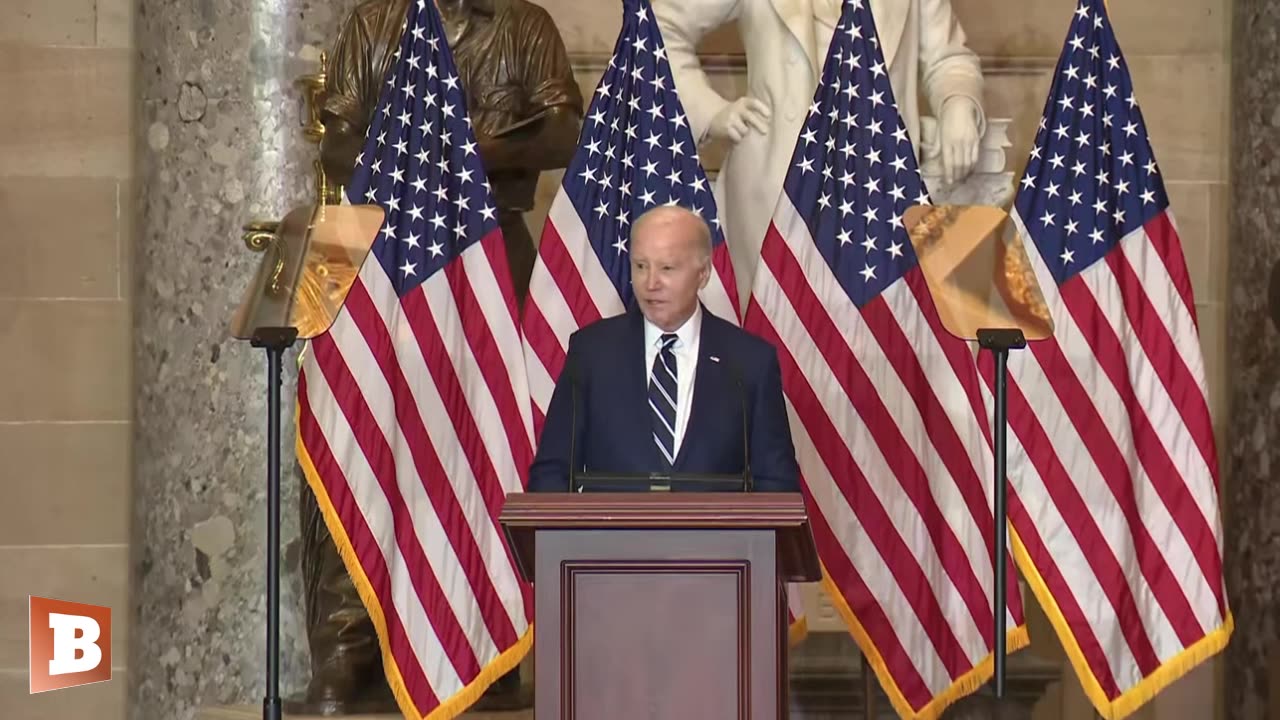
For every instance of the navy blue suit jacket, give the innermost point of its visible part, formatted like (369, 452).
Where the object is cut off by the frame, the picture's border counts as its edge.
(613, 422)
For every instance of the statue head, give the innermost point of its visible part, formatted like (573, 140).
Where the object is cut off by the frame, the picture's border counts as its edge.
(456, 15)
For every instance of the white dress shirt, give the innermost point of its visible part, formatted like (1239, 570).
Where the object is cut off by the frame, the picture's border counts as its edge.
(686, 352)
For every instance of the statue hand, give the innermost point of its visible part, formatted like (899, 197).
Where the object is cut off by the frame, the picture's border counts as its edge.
(958, 136)
(738, 116)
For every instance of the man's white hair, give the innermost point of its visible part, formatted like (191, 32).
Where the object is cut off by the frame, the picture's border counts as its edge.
(676, 213)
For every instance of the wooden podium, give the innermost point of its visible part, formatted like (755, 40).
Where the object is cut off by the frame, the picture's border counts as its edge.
(660, 605)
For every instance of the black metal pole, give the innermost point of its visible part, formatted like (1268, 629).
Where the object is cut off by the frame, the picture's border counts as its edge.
(271, 704)
(276, 341)
(999, 341)
(1002, 541)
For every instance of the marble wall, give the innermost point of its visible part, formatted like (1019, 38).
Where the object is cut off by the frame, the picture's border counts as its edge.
(66, 183)
(219, 145)
(1253, 500)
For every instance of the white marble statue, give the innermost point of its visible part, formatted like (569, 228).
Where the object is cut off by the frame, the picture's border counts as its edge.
(786, 43)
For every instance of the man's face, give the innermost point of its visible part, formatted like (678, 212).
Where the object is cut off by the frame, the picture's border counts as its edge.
(668, 268)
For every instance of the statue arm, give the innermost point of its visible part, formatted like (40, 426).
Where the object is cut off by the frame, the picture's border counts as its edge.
(950, 71)
(545, 145)
(683, 24)
(552, 92)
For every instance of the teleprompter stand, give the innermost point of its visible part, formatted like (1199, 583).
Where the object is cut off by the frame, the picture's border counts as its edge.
(985, 290)
(311, 260)
(275, 340)
(999, 342)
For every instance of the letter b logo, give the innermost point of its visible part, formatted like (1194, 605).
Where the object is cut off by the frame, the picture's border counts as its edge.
(70, 644)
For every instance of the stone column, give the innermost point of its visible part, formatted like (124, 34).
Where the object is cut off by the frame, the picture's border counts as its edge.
(220, 145)
(1252, 506)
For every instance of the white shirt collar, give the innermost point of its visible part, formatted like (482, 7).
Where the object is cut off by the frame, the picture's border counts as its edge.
(686, 333)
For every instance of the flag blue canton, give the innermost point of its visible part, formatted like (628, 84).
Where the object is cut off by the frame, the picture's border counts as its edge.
(421, 162)
(636, 150)
(853, 173)
(1092, 176)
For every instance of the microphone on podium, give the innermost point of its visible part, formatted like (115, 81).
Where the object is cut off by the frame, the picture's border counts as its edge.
(572, 373)
(748, 483)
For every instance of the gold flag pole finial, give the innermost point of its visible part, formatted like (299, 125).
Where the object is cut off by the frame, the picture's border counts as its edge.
(264, 235)
(313, 88)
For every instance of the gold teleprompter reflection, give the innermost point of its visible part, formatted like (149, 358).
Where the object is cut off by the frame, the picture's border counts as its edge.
(977, 270)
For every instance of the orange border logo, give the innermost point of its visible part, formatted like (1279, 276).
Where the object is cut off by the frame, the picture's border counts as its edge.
(70, 644)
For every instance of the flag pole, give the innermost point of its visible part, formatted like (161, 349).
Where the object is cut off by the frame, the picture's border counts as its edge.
(1000, 341)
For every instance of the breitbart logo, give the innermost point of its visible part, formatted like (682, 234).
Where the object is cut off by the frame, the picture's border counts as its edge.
(70, 644)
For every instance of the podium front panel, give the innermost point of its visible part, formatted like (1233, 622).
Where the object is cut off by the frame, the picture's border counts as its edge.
(664, 624)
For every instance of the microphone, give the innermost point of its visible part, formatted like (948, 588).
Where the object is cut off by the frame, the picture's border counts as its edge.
(572, 374)
(748, 481)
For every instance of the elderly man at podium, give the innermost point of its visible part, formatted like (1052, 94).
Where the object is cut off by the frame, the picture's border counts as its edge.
(667, 396)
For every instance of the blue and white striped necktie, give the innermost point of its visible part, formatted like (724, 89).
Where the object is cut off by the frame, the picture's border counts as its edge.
(663, 386)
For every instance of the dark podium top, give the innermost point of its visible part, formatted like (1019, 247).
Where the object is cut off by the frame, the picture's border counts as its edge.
(783, 513)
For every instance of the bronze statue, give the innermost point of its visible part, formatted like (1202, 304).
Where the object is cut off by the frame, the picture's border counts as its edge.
(526, 110)
(524, 103)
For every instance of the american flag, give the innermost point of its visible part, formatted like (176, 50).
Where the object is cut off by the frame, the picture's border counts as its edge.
(636, 152)
(414, 417)
(1114, 468)
(886, 407)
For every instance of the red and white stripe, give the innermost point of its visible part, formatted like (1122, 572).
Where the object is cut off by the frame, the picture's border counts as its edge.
(1113, 468)
(415, 415)
(891, 436)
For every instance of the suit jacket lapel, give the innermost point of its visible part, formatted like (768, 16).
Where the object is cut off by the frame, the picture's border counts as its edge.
(890, 17)
(703, 381)
(797, 15)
